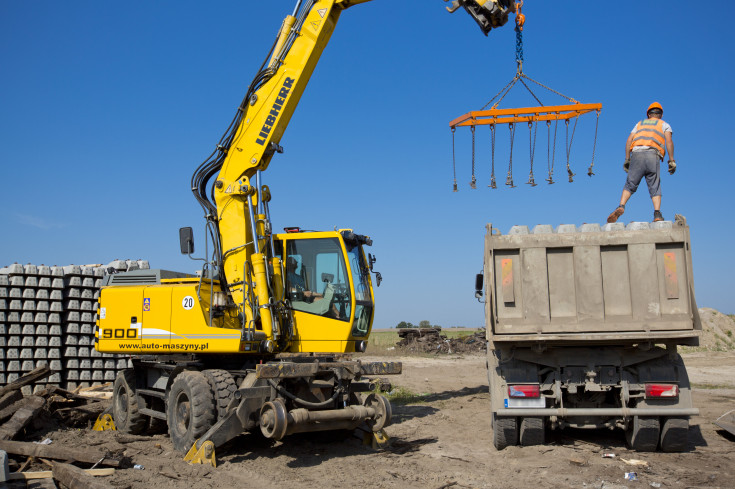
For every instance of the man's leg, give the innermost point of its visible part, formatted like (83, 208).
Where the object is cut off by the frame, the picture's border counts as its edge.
(656, 199)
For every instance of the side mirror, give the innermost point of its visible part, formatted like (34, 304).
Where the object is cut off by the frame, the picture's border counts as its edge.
(478, 285)
(186, 240)
(371, 261)
(328, 277)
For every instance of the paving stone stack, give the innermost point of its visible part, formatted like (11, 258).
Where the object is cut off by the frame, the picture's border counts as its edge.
(47, 317)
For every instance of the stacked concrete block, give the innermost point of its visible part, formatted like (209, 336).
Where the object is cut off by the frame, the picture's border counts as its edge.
(47, 317)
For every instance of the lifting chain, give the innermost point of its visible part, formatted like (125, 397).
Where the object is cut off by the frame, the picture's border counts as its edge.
(454, 164)
(520, 20)
(569, 143)
(550, 155)
(509, 178)
(594, 145)
(492, 167)
(532, 150)
(474, 180)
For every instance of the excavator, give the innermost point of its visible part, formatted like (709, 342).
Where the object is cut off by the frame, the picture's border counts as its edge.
(261, 337)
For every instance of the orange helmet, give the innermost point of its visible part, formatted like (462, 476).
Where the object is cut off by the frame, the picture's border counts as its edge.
(655, 105)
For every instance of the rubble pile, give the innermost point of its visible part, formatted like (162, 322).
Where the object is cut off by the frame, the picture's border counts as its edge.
(430, 340)
(47, 318)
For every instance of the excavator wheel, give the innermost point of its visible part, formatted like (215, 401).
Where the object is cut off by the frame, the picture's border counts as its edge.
(223, 387)
(190, 409)
(125, 404)
(643, 433)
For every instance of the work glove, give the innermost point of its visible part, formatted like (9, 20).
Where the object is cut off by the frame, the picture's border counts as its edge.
(672, 167)
(626, 165)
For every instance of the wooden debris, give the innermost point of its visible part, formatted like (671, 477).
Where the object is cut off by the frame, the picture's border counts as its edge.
(28, 408)
(25, 464)
(41, 484)
(10, 398)
(29, 378)
(56, 453)
(124, 438)
(91, 408)
(76, 478)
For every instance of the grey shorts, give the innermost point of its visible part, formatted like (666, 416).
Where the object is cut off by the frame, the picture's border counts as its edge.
(644, 164)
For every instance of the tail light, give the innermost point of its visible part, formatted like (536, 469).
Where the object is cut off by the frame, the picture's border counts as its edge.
(524, 391)
(662, 391)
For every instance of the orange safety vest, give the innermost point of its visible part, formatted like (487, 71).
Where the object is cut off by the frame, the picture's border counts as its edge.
(650, 132)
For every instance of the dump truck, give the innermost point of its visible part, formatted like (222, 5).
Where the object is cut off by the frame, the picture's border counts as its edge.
(583, 325)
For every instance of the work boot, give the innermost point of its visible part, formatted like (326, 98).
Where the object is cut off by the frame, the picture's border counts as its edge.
(657, 216)
(616, 214)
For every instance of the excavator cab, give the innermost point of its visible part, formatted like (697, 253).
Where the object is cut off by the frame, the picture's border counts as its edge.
(329, 290)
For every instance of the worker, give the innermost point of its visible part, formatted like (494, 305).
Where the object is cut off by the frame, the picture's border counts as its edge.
(644, 151)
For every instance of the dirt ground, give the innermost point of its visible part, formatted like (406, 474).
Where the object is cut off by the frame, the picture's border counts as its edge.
(443, 441)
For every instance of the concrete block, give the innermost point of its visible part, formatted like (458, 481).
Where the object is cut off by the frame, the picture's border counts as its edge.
(26, 317)
(41, 341)
(30, 269)
(12, 316)
(3, 342)
(71, 340)
(613, 226)
(543, 229)
(29, 305)
(54, 318)
(12, 377)
(13, 341)
(72, 270)
(85, 340)
(99, 364)
(12, 353)
(29, 330)
(88, 271)
(44, 282)
(26, 353)
(73, 293)
(110, 375)
(93, 353)
(144, 265)
(56, 307)
(71, 328)
(40, 363)
(83, 352)
(96, 294)
(70, 351)
(4, 280)
(57, 283)
(87, 294)
(98, 283)
(29, 293)
(54, 352)
(71, 305)
(518, 230)
(2, 378)
(85, 364)
(44, 271)
(122, 363)
(55, 365)
(54, 341)
(17, 281)
(38, 388)
(4, 291)
(72, 363)
(15, 305)
(71, 317)
(40, 318)
(42, 295)
(54, 330)
(87, 306)
(28, 341)
(590, 227)
(15, 328)
(637, 226)
(41, 330)
(662, 225)
(88, 282)
(69, 385)
(56, 295)
(72, 375)
(54, 379)
(86, 317)
(98, 375)
(72, 281)
(31, 282)
(85, 375)
(3, 304)
(57, 271)
(27, 390)
(13, 366)
(118, 265)
(99, 271)
(3, 327)
(27, 366)
(86, 328)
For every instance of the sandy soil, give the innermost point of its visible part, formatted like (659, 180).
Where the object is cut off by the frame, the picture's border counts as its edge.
(444, 441)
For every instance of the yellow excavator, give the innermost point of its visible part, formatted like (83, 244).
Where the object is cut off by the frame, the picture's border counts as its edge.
(259, 338)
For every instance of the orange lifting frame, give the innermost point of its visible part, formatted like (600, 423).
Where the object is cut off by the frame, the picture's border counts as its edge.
(526, 114)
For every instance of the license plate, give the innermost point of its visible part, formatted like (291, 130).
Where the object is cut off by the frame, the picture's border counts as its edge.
(537, 402)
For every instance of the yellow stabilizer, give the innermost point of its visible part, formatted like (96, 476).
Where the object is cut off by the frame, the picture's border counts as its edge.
(104, 423)
(202, 455)
(376, 439)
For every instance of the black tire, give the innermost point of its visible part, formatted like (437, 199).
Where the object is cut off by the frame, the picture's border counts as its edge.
(532, 431)
(223, 389)
(126, 404)
(189, 409)
(643, 433)
(505, 432)
(675, 434)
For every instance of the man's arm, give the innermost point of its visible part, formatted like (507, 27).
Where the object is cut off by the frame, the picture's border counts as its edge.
(627, 146)
(669, 145)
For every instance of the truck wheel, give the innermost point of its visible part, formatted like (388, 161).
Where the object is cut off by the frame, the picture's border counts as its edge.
(505, 432)
(190, 409)
(223, 386)
(532, 431)
(642, 433)
(125, 405)
(675, 434)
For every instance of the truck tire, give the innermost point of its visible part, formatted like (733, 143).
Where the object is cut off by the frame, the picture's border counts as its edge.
(223, 387)
(675, 434)
(125, 404)
(531, 431)
(643, 433)
(189, 409)
(505, 432)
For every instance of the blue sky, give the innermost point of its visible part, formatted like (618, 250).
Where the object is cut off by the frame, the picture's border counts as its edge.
(108, 107)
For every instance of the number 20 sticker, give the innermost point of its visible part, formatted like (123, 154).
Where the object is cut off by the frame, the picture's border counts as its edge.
(188, 302)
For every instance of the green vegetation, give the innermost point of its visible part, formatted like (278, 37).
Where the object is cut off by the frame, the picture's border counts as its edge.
(401, 395)
(711, 386)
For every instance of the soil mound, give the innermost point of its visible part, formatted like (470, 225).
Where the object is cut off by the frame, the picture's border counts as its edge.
(430, 340)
